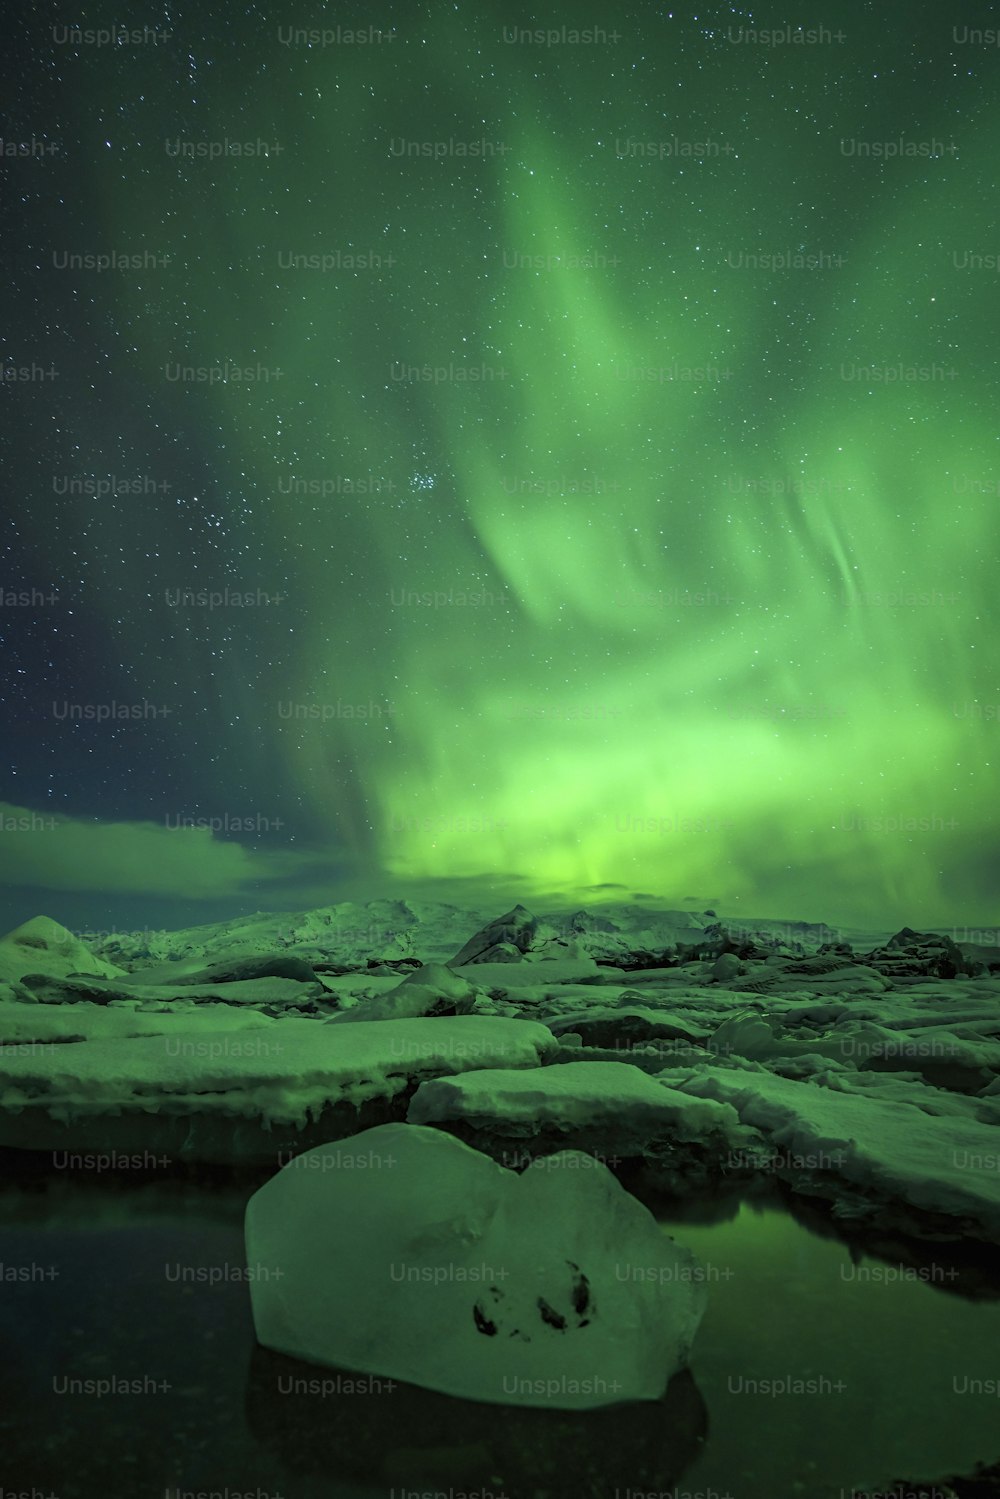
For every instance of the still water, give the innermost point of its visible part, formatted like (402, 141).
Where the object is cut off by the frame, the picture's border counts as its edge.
(817, 1368)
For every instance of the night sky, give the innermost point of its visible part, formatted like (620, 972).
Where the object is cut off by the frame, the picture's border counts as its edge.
(579, 553)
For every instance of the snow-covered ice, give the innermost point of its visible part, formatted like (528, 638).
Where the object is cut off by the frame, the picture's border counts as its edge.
(43, 946)
(285, 1074)
(887, 1151)
(610, 1101)
(608, 1030)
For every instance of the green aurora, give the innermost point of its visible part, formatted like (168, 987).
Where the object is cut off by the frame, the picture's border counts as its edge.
(736, 597)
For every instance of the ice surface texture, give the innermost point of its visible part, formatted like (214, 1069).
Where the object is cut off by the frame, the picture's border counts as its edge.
(405, 1253)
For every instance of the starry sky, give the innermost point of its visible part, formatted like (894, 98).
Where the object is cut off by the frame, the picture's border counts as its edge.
(462, 464)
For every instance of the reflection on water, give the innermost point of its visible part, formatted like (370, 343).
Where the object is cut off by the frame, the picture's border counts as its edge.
(817, 1367)
(407, 1438)
(824, 1367)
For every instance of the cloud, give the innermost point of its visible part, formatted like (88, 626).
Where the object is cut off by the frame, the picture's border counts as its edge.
(68, 853)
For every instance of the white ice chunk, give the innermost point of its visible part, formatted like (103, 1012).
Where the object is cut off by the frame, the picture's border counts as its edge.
(405, 1253)
(614, 1098)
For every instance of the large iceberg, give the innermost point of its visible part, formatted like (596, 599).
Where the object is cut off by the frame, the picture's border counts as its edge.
(406, 1253)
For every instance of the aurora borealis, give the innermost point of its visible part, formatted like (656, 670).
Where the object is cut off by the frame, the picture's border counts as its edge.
(607, 509)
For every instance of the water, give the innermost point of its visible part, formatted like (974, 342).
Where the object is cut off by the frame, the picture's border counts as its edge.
(886, 1353)
(121, 1288)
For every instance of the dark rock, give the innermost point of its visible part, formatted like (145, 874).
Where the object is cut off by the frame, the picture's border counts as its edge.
(726, 968)
(916, 955)
(234, 970)
(506, 952)
(432, 990)
(622, 1029)
(43, 988)
(980, 959)
(828, 962)
(632, 962)
(47, 990)
(906, 937)
(518, 929)
(716, 941)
